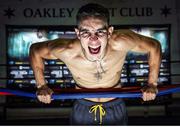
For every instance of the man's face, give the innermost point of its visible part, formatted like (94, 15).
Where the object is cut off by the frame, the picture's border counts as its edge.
(93, 34)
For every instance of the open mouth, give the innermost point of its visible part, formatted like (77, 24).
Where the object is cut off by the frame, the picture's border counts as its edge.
(94, 50)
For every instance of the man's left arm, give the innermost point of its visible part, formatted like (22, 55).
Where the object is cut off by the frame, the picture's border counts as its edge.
(153, 48)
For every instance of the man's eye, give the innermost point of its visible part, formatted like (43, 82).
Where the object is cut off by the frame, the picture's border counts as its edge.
(85, 33)
(101, 32)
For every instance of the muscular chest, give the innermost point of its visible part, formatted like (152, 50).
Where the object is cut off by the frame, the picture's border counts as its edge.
(110, 65)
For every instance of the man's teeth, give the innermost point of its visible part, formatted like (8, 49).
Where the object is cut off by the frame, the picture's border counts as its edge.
(94, 50)
(95, 47)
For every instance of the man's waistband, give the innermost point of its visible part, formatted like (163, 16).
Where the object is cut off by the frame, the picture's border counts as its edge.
(105, 104)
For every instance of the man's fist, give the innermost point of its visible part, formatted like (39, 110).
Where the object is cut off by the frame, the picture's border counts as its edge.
(149, 92)
(44, 94)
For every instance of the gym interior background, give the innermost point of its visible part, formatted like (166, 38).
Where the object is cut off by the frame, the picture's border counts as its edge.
(24, 22)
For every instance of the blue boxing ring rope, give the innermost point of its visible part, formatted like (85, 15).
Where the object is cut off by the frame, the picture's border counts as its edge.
(80, 95)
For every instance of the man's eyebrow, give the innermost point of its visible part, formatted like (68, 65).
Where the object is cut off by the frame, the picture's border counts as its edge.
(84, 29)
(103, 28)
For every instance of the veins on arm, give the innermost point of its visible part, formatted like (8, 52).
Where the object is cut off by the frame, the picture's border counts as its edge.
(39, 76)
(39, 52)
(152, 48)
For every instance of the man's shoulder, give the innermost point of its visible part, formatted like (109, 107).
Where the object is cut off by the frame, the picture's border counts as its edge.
(63, 46)
(122, 32)
(63, 43)
(122, 39)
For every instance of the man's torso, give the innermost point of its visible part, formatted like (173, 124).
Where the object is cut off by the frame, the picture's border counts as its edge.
(88, 74)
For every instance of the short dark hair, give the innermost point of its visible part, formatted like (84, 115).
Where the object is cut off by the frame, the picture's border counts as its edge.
(92, 10)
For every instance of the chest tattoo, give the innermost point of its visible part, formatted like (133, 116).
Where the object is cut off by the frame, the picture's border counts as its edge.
(98, 75)
(100, 71)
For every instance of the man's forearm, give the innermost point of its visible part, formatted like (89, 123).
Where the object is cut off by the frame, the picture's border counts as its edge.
(37, 65)
(39, 76)
(154, 64)
(153, 76)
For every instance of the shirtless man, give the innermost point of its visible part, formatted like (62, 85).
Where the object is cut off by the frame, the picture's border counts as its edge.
(95, 60)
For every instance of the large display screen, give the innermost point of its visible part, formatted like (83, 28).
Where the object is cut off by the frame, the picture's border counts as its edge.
(20, 74)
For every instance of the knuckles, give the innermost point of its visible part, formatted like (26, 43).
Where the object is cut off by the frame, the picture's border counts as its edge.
(149, 93)
(44, 94)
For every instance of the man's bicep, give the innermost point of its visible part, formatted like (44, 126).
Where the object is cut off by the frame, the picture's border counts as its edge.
(41, 49)
(144, 44)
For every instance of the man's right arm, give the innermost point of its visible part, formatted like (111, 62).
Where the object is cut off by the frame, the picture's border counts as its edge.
(39, 52)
